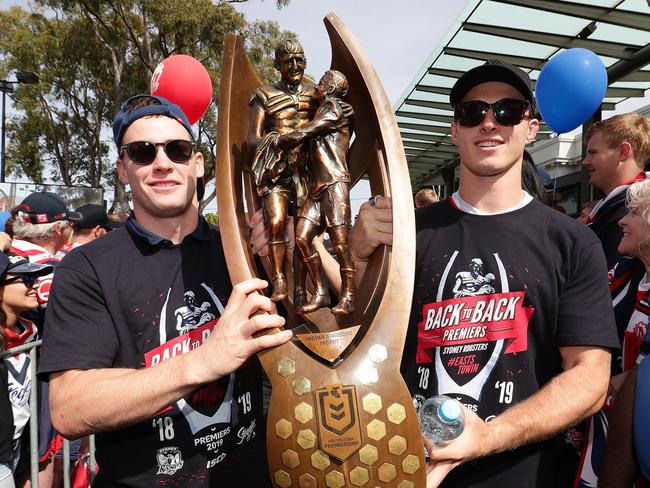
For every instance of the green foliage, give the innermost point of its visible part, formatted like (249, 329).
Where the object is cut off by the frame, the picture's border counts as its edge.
(212, 218)
(90, 56)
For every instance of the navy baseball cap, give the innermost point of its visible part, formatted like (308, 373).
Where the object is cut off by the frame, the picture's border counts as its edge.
(44, 208)
(124, 118)
(15, 264)
(493, 70)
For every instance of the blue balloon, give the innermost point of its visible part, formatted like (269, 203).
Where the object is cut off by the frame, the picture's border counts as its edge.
(570, 88)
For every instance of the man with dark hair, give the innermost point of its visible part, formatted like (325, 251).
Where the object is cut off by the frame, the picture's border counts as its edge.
(617, 151)
(94, 223)
(279, 165)
(522, 335)
(176, 406)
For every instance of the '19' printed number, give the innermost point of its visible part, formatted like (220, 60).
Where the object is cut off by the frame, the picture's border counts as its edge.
(165, 428)
(245, 401)
(506, 389)
(424, 377)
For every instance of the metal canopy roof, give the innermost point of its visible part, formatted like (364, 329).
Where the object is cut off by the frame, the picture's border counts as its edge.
(526, 33)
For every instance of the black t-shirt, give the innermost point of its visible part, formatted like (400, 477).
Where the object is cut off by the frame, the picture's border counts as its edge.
(495, 296)
(132, 300)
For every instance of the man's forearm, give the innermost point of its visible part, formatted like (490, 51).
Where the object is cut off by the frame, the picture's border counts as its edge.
(569, 397)
(87, 401)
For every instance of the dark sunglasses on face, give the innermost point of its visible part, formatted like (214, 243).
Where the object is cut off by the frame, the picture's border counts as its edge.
(28, 280)
(144, 152)
(507, 112)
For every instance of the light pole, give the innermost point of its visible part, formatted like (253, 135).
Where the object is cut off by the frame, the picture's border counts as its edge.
(27, 78)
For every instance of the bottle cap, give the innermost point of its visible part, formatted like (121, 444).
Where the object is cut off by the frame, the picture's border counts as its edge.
(449, 411)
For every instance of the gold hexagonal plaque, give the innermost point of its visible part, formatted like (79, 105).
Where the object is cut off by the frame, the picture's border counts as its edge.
(406, 484)
(286, 367)
(306, 439)
(396, 413)
(410, 464)
(320, 460)
(397, 445)
(368, 375)
(372, 403)
(290, 458)
(334, 479)
(304, 412)
(359, 476)
(283, 428)
(282, 479)
(376, 429)
(387, 472)
(301, 385)
(368, 454)
(377, 353)
(307, 481)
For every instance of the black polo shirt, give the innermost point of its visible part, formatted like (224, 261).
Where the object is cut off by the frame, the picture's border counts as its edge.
(131, 300)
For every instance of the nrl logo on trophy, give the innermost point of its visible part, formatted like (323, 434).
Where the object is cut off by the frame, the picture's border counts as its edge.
(339, 433)
(291, 151)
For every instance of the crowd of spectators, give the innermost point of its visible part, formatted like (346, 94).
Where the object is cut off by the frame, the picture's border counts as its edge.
(39, 233)
(113, 363)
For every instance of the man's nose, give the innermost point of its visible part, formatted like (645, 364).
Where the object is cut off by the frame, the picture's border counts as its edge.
(161, 161)
(489, 122)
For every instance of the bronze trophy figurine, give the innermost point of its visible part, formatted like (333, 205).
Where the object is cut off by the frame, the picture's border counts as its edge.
(276, 110)
(328, 196)
(340, 413)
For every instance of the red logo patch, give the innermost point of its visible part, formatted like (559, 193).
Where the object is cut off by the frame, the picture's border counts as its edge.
(466, 320)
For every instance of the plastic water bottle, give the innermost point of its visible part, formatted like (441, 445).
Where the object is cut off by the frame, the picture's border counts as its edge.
(441, 419)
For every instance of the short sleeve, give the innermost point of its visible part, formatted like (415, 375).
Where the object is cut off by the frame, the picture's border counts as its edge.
(79, 331)
(585, 313)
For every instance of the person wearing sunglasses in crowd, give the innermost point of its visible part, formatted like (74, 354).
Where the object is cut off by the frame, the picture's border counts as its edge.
(169, 405)
(19, 282)
(41, 226)
(529, 355)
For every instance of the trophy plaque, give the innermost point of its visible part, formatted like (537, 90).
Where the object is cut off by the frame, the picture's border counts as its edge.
(340, 413)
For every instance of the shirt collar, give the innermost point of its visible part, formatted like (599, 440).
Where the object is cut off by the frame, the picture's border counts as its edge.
(202, 232)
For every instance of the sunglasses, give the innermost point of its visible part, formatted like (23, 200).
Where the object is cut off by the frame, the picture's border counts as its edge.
(144, 152)
(28, 280)
(507, 112)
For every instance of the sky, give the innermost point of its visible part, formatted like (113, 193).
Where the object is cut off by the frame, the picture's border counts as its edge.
(398, 36)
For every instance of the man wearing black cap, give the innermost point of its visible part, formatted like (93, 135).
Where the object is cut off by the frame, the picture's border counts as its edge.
(93, 224)
(527, 355)
(173, 401)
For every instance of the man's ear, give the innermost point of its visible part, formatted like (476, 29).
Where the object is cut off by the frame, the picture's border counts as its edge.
(625, 151)
(454, 133)
(200, 164)
(533, 127)
(121, 171)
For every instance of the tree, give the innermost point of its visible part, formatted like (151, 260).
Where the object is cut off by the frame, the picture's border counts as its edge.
(91, 55)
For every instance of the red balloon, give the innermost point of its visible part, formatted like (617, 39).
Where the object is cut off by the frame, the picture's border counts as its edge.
(181, 79)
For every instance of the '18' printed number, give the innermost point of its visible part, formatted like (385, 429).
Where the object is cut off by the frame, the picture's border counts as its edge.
(424, 377)
(165, 428)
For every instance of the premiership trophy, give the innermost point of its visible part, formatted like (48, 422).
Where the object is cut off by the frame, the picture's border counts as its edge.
(340, 412)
